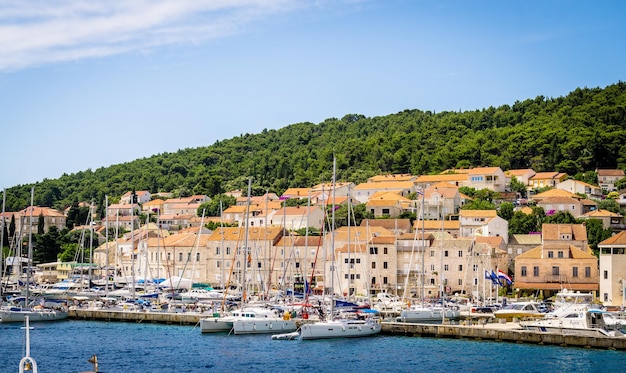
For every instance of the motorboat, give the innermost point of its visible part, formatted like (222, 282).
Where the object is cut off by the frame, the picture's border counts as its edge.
(340, 328)
(266, 324)
(422, 313)
(590, 322)
(519, 310)
(36, 313)
(217, 324)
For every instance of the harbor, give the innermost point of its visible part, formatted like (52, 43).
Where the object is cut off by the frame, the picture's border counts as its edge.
(470, 328)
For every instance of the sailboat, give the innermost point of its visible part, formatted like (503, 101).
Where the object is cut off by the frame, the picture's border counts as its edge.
(425, 312)
(22, 311)
(248, 320)
(334, 327)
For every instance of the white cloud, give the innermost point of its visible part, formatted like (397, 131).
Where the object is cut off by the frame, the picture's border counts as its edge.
(38, 32)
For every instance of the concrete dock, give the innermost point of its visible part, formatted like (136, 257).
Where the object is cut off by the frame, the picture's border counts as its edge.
(505, 332)
(180, 318)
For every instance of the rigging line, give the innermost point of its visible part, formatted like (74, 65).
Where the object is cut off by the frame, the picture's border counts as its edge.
(232, 267)
(195, 246)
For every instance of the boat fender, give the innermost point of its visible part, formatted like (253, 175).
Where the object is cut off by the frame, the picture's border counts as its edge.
(359, 328)
(343, 327)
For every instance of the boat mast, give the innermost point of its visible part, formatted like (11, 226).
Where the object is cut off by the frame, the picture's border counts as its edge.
(245, 248)
(106, 240)
(4, 196)
(423, 192)
(332, 242)
(30, 244)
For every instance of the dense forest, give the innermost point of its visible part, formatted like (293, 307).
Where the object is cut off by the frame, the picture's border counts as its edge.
(580, 132)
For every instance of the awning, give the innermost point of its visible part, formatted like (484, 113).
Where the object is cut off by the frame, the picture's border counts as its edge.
(553, 286)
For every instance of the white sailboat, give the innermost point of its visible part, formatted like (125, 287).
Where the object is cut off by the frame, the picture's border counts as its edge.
(23, 311)
(334, 327)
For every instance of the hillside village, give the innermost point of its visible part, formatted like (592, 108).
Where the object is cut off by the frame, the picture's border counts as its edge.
(449, 249)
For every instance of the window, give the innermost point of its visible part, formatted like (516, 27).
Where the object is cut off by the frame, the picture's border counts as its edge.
(384, 265)
(574, 271)
(555, 271)
(432, 253)
(445, 267)
(180, 257)
(345, 260)
(432, 267)
(475, 267)
(373, 265)
(345, 276)
(460, 267)
(587, 271)
(385, 211)
(373, 250)
(550, 254)
(445, 253)
(536, 271)
(358, 276)
(217, 264)
(560, 254)
(373, 280)
(217, 251)
(188, 257)
(606, 275)
(385, 280)
(460, 282)
(228, 251)
(460, 253)
(523, 271)
(197, 257)
(432, 281)
(358, 260)
(385, 250)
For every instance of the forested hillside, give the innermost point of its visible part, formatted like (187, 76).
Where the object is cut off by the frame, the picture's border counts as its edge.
(583, 131)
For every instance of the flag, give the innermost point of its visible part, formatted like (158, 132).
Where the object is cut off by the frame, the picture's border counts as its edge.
(487, 275)
(502, 274)
(494, 278)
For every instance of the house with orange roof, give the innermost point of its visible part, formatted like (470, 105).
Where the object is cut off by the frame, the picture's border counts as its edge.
(125, 222)
(143, 196)
(521, 243)
(341, 188)
(388, 204)
(451, 227)
(456, 179)
(613, 270)
(580, 187)
(50, 216)
(609, 219)
(546, 179)
(550, 267)
(521, 175)
(607, 178)
(553, 205)
(483, 223)
(491, 178)
(174, 222)
(391, 177)
(364, 191)
(257, 199)
(184, 205)
(571, 234)
(440, 201)
(292, 218)
(154, 206)
(397, 226)
(297, 193)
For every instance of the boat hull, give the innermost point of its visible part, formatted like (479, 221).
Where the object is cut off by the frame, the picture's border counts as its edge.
(339, 329)
(264, 326)
(216, 325)
(19, 315)
(428, 314)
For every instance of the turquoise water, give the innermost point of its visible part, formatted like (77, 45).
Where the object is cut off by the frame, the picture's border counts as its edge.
(128, 347)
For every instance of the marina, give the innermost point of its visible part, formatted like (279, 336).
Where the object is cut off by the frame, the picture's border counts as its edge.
(477, 329)
(66, 346)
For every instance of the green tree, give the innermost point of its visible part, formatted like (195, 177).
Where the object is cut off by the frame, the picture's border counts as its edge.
(40, 224)
(68, 252)
(596, 233)
(479, 204)
(519, 187)
(212, 207)
(506, 210)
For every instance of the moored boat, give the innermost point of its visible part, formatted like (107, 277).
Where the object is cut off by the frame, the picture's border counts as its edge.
(589, 322)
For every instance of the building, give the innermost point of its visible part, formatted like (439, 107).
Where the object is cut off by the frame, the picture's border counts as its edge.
(607, 179)
(613, 270)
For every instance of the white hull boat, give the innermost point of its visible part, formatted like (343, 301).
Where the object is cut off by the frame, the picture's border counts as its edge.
(16, 314)
(420, 314)
(264, 326)
(588, 322)
(254, 316)
(340, 329)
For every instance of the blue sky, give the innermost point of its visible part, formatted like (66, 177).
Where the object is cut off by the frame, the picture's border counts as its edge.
(87, 84)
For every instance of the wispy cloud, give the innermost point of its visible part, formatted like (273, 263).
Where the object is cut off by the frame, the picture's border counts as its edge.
(38, 32)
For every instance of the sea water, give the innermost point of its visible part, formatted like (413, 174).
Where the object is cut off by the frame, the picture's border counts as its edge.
(65, 346)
